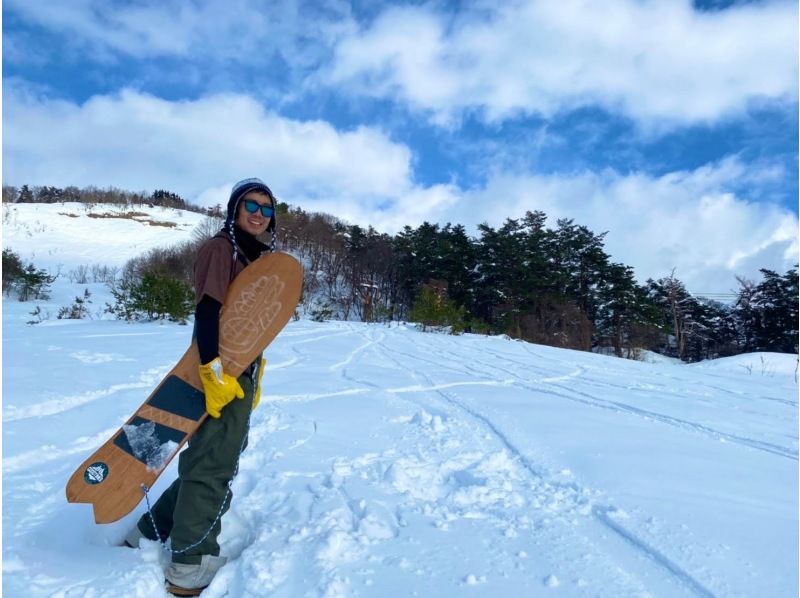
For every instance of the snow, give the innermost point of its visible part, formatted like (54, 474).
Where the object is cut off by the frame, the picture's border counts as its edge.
(384, 461)
(763, 364)
(71, 234)
(146, 447)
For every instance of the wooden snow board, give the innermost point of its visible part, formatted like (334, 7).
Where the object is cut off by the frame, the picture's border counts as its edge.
(258, 304)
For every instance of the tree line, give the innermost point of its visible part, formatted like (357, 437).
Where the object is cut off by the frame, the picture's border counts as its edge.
(554, 286)
(96, 195)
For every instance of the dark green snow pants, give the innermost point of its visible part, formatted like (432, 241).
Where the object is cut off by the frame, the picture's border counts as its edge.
(190, 505)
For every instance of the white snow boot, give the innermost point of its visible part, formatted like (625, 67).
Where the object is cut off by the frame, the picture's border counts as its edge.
(189, 580)
(133, 537)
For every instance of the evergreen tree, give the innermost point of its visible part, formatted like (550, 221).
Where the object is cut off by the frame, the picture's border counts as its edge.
(34, 284)
(48, 194)
(726, 333)
(537, 256)
(699, 336)
(580, 263)
(25, 195)
(457, 264)
(29, 281)
(746, 316)
(675, 305)
(79, 308)
(160, 197)
(154, 296)
(433, 309)
(775, 301)
(427, 252)
(501, 286)
(404, 279)
(623, 307)
(13, 269)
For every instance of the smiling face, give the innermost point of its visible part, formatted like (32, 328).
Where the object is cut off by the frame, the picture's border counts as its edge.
(255, 223)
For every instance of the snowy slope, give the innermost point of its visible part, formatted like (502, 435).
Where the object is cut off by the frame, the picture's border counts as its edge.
(75, 234)
(388, 462)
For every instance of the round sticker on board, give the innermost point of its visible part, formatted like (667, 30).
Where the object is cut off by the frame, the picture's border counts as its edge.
(95, 473)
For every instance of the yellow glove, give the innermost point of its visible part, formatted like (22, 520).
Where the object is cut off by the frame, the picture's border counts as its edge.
(220, 388)
(257, 397)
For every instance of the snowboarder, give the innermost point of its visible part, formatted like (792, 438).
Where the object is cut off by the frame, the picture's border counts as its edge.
(189, 512)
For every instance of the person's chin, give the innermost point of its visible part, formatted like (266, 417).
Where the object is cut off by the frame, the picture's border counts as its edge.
(253, 230)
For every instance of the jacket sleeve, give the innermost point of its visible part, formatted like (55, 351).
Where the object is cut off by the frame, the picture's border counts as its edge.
(212, 275)
(213, 269)
(206, 318)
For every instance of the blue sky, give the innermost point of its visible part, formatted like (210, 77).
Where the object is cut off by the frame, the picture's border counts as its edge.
(669, 124)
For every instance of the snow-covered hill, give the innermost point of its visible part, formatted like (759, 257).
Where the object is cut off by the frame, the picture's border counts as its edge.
(74, 234)
(388, 462)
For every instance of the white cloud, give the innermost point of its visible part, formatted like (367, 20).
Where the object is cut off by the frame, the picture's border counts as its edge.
(659, 61)
(700, 222)
(205, 31)
(198, 148)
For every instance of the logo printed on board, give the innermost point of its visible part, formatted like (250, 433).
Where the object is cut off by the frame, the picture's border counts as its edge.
(95, 473)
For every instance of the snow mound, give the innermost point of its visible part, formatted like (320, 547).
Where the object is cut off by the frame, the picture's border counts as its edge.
(756, 364)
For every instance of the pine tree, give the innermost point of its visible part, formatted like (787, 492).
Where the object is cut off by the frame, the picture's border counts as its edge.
(404, 278)
(433, 309)
(623, 307)
(501, 286)
(34, 284)
(775, 300)
(746, 315)
(13, 269)
(580, 262)
(457, 264)
(675, 304)
(79, 308)
(25, 195)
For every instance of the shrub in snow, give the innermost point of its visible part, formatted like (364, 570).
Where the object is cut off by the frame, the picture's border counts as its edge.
(432, 309)
(153, 297)
(28, 281)
(322, 311)
(78, 310)
(39, 315)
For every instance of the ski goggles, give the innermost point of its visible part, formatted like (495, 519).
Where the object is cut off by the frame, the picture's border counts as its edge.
(252, 206)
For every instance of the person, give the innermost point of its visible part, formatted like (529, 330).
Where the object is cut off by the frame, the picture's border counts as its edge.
(189, 512)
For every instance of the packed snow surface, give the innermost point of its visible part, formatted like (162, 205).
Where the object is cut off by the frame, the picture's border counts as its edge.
(384, 461)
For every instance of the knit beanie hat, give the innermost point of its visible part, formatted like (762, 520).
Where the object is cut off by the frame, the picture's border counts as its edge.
(244, 187)
(239, 190)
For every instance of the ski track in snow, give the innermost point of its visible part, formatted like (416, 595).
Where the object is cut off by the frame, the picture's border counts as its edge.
(55, 406)
(673, 421)
(50, 452)
(600, 512)
(599, 402)
(354, 353)
(377, 466)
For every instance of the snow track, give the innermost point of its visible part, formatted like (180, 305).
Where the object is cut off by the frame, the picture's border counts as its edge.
(387, 462)
(602, 513)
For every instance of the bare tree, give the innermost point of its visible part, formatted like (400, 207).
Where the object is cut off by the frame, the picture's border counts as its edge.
(208, 227)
